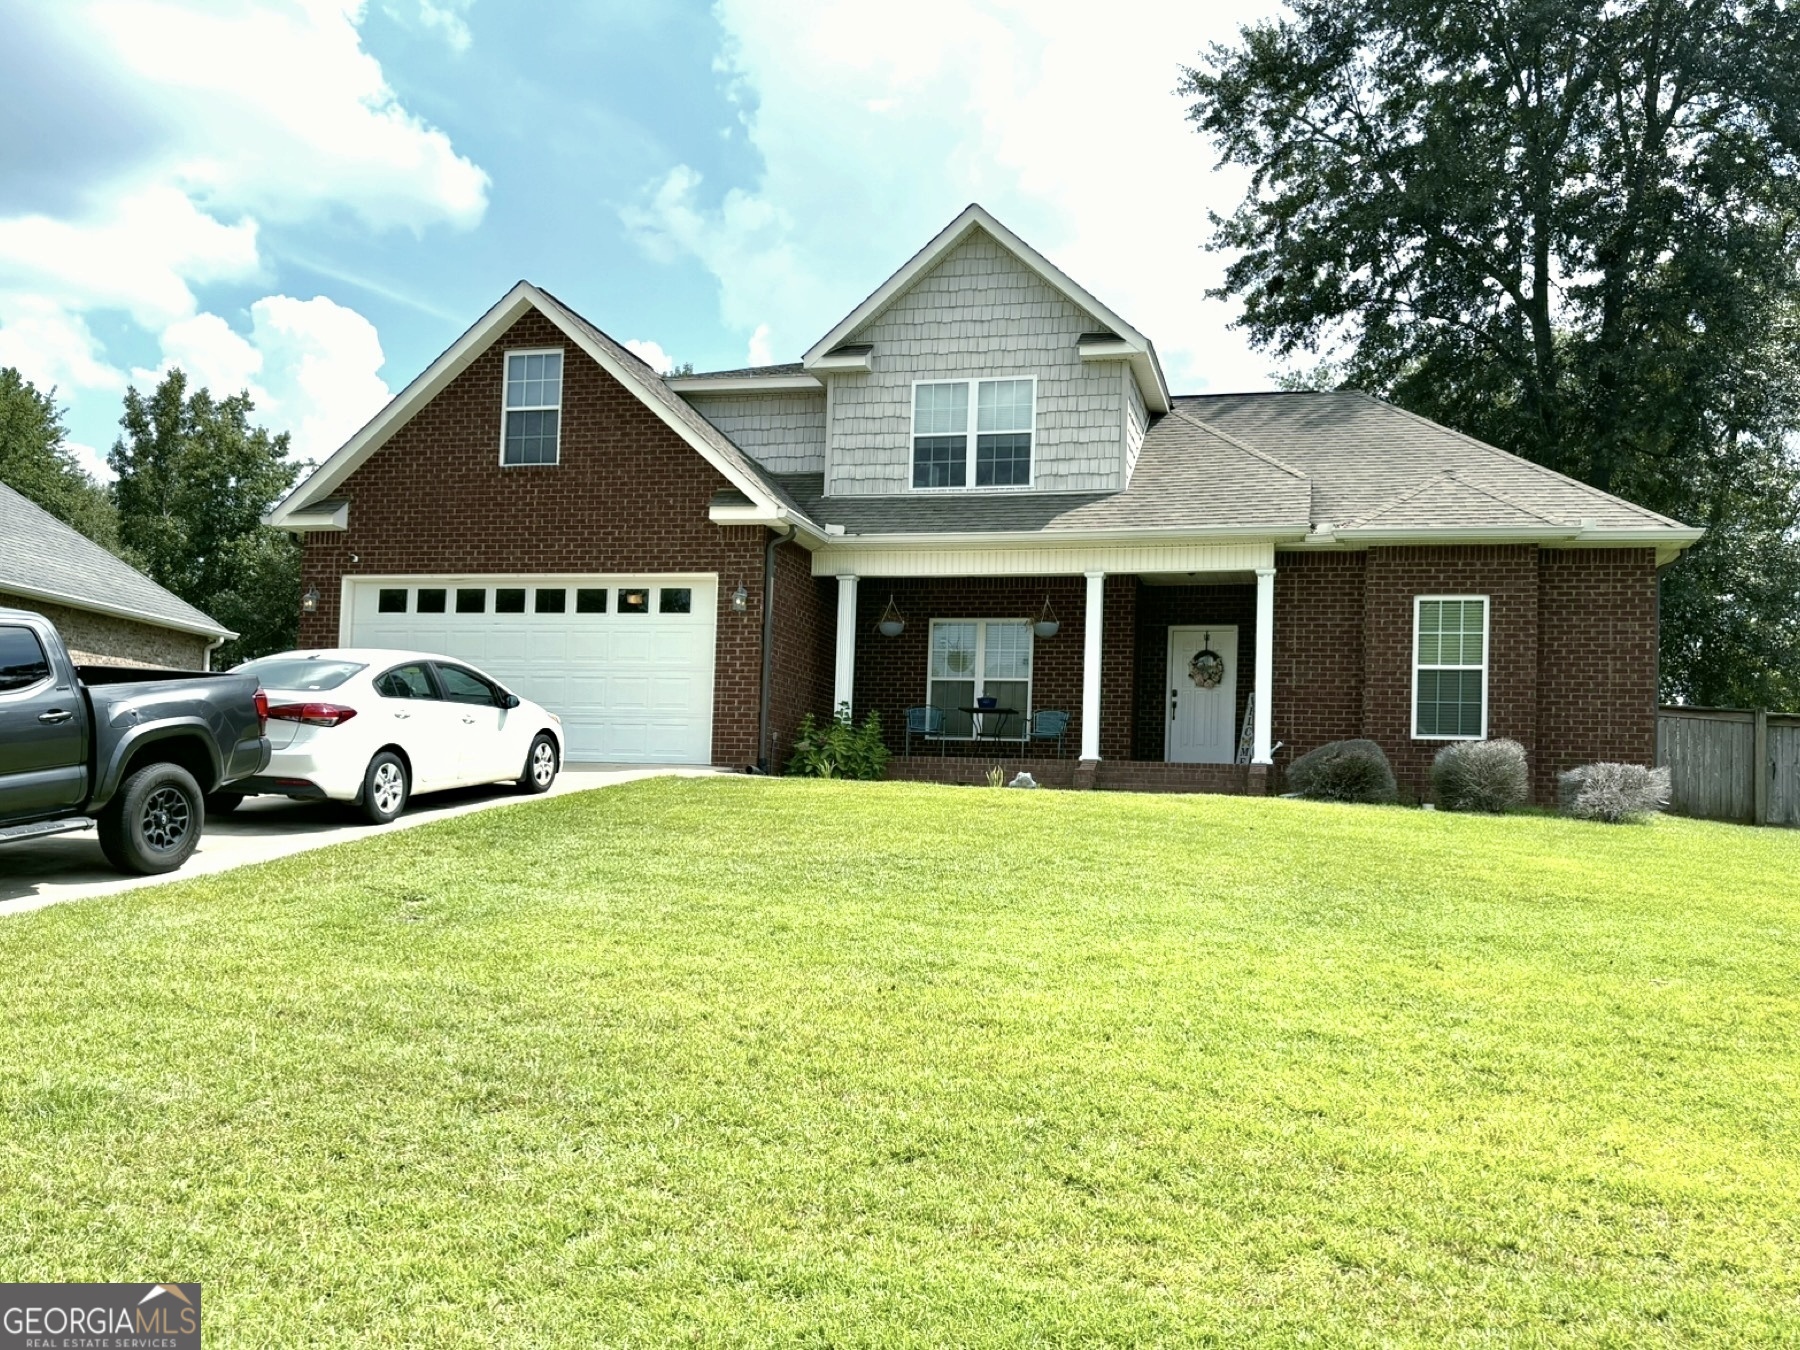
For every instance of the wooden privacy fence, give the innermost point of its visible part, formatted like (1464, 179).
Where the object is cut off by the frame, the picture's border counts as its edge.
(1729, 764)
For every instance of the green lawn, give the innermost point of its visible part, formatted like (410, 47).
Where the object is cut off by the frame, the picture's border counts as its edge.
(747, 1062)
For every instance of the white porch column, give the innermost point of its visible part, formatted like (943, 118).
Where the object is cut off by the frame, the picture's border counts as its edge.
(1264, 721)
(1090, 667)
(843, 685)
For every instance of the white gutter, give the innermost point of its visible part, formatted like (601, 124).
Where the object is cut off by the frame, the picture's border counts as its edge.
(741, 384)
(1041, 538)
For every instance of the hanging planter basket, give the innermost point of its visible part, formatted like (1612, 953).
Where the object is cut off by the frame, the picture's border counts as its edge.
(892, 622)
(1207, 668)
(1046, 625)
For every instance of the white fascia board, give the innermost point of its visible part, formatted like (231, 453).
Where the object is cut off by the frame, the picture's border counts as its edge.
(117, 611)
(319, 519)
(428, 384)
(841, 362)
(743, 384)
(1155, 387)
(1219, 534)
(749, 513)
(1583, 537)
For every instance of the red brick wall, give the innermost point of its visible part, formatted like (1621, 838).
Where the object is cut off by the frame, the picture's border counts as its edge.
(1319, 664)
(628, 496)
(1158, 607)
(1597, 647)
(891, 672)
(1118, 663)
(805, 638)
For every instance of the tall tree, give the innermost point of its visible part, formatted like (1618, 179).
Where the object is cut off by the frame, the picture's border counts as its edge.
(1568, 227)
(36, 462)
(194, 481)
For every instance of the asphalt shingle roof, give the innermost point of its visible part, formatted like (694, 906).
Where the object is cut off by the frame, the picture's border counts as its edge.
(40, 554)
(747, 372)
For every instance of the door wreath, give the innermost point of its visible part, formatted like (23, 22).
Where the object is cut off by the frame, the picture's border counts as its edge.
(1207, 668)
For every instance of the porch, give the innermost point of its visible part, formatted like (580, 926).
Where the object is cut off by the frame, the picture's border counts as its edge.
(1164, 679)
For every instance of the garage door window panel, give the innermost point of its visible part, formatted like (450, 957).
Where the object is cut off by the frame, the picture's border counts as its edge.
(471, 601)
(509, 600)
(552, 601)
(590, 600)
(675, 600)
(634, 600)
(392, 600)
(431, 600)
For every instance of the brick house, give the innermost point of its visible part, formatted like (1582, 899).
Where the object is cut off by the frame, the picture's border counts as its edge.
(107, 612)
(975, 506)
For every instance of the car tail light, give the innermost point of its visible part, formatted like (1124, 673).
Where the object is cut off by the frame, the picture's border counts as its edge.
(262, 712)
(313, 714)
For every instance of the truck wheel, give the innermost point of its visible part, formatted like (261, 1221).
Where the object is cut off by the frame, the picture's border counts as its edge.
(223, 803)
(385, 788)
(153, 824)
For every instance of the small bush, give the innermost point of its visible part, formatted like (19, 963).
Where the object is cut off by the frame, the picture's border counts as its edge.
(1617, 794)
(1481, 776)
(1343, 771)
(839, 749)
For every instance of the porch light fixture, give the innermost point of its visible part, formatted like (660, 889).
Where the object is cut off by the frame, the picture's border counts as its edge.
(309, 603)
(740, 599)
(893, 622)
(1046, 624)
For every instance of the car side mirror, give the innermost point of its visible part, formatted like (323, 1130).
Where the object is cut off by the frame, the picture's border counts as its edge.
(508, 700)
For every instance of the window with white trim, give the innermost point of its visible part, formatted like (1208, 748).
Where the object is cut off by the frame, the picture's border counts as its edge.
(1450, 655)
(533, 414)
(998, 454)
(979, 658)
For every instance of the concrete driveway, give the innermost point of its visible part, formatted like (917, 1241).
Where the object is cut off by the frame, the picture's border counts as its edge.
(69, 866)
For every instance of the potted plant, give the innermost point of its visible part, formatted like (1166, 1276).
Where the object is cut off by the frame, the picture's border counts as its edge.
(1046, 625)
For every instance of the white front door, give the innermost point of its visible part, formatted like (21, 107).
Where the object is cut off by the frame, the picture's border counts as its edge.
(1202, 723)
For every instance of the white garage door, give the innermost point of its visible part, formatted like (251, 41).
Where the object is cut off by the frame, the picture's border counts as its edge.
(626, 662)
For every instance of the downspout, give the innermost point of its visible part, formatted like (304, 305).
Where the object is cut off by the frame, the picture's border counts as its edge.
(206, 656)
(768, 644)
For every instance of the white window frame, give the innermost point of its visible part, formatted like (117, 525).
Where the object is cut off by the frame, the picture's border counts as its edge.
(978, 676)
(974, 384)
(506, 378)
(1487, 620)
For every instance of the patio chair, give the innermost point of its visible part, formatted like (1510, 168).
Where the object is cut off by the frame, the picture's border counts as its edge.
(925, 722)
(1048, 724)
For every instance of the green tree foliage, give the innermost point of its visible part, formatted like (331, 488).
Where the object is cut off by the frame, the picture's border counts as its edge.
(1568, 227)
(194, 481)
(36, 462)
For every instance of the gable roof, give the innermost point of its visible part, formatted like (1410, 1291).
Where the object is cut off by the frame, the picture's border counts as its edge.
(742, 472)
(44, 559)
(1136, 347)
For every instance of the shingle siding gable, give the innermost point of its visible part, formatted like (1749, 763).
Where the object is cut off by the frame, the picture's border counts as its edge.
(784, 432)
(980, 313)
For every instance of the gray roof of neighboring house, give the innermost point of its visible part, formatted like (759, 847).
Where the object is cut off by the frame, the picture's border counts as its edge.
(748, 372)
(1373, 464)
(42, 558)
(656, 388)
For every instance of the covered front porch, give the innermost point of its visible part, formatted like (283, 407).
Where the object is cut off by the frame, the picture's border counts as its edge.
(1147, 680)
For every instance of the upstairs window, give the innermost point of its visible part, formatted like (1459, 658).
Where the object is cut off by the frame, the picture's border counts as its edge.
(1450, 655)
(998, 454)
(533, 407)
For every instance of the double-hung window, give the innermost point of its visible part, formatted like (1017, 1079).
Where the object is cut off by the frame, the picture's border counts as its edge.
(997, 454)
(1450, 656)
(977, 658)
(533, 413)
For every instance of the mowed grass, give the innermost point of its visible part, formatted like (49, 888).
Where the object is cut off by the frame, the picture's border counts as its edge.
(734, 1062)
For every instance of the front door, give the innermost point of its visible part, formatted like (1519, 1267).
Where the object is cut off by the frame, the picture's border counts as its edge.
(1202, 725)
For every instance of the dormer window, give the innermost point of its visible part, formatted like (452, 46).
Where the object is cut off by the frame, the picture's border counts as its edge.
(945, 455)
(533, 413)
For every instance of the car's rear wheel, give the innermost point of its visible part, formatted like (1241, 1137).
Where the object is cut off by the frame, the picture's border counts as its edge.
(223, 803)
(540, 765)
(386, 787)
(153, 824)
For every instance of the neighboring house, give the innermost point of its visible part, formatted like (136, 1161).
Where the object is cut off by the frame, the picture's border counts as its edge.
(979, 445)
(108, 613)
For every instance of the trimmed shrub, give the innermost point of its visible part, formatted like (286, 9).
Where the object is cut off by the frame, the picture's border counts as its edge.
(839, 749)
(1481, 776)
(1617, 794)
(1344, 771)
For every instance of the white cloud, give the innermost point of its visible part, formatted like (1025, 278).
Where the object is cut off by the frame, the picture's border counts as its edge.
(446, 17)
(651, 353)
(874, 130)
(91, 459)
(310, 366)
(760, 353)
(53, 348)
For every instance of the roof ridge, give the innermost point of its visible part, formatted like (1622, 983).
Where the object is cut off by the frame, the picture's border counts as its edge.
(1508, 455)
(1453, 476)
(1229, 439)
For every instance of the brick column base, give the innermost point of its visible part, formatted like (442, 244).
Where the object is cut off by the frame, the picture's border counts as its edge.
(1085, 773)
(1257, 783)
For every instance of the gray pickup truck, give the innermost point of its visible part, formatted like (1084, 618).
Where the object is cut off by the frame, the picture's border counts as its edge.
(135, 752)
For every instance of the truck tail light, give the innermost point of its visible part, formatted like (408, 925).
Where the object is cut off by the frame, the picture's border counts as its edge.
(313, 714)
(262, 713)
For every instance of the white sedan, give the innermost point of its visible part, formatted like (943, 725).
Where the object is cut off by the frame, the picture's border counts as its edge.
(373, 727)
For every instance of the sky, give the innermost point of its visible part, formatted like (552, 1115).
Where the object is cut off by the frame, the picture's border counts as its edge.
(311, 199)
